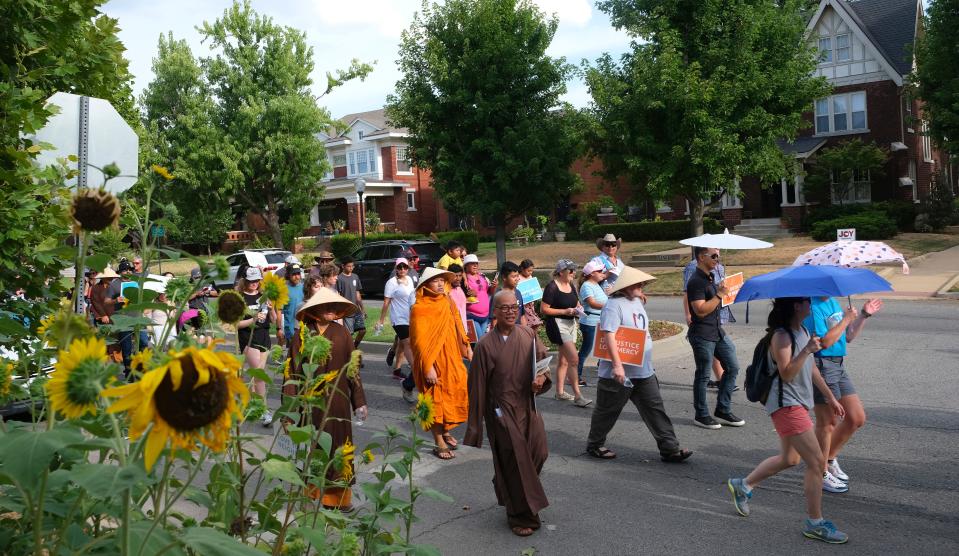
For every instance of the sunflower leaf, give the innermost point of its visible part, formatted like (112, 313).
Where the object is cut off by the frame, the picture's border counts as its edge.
(25, 455)
(325, 442)
(300, 435)
(282, 470)
(104, 481)
(260, 374)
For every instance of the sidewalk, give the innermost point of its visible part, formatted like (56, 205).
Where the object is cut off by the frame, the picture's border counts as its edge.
(927, 275)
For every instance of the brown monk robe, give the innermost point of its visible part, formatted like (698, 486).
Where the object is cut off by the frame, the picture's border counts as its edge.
(346, 395)
(502, 393)
(439, 345)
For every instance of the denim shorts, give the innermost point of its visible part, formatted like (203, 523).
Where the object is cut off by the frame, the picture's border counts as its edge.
(833, 372)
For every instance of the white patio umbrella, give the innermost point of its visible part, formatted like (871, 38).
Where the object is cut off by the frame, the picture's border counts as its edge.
(726, 240)
(852, 254)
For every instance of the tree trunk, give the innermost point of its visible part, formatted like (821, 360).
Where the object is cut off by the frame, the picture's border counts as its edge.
(697, 208)
(500, 241)
(272, 217)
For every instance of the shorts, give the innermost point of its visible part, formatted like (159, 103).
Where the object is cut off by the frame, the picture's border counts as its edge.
(560, 331)
(355, 322)
(260, 341)
(791, 420)
(402, 331)
(836, 379)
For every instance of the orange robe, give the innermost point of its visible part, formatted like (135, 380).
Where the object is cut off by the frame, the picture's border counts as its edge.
(437, 339)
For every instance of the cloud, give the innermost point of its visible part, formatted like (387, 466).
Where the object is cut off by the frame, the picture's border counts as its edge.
(577, 13)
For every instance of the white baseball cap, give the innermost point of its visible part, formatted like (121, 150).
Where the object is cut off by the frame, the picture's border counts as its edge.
(471, 258)
(253, 273)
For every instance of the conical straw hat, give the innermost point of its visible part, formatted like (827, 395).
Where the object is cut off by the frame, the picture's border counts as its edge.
(327, 297)
(629, 277)
(107, 273)
(432, 272)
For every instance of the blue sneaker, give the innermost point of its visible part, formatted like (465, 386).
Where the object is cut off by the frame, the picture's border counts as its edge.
(824, 531)
(740, 496)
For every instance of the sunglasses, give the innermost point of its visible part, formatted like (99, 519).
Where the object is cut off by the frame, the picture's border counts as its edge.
(714, 256)
(402, 267)
(610, 244)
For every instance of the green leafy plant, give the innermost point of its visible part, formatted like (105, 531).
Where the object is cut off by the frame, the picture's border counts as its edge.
(653, 230)
(469, 238)
(868, 225)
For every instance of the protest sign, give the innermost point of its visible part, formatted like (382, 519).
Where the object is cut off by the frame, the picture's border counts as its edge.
(630, 344)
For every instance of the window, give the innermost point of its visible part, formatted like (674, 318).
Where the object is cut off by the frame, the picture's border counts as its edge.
(359, 134)
(362, 162)
(825, 50)
(410, 200)
(912, 176)
(362, 166)
(402, 160)
(926, 142)
(845, 112)
(339, 160)
(352, 163)
(857, 190)
(372, 160)
(843, 49)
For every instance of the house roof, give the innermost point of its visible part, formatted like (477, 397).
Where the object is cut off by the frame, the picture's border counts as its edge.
(376, 118)
(802, 147)
(890, 26)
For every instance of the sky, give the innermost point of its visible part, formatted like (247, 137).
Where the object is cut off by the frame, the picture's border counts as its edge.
(339, 30)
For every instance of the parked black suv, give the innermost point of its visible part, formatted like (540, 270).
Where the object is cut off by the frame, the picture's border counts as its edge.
(374, 261)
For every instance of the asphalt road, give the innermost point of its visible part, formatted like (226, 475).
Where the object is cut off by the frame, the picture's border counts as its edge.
(904, 491)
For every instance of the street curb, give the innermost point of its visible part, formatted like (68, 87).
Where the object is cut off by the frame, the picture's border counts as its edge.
(944, 290)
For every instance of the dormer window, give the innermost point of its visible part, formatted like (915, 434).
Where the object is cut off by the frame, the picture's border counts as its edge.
(359, 134)
(825, 50)
(843, 48)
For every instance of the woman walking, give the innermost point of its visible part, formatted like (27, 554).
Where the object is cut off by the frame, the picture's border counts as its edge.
(253, 334)
(526, 268)
(593, 298)
(789, 400)
(478, 291)
(397, 300)
(560, 306)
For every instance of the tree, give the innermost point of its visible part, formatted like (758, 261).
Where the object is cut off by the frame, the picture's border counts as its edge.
(480, 98)
(701, 99)
(242, 125)
(937, 74)
(45, 46)
(836, 170)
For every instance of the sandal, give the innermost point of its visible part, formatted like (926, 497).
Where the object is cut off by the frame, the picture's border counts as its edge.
(441, 452)
(601, 453)
(677, 457)
(450, 441)
(522, 531)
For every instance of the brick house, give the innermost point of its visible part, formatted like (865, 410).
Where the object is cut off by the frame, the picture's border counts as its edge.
(865, 51)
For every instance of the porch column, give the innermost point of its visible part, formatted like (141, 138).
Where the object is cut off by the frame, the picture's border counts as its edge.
(353, 213)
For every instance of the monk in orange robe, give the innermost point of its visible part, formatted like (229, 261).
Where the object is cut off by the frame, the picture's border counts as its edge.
(439, 345)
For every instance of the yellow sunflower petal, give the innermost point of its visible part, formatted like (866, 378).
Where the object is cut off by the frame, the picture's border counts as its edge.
(154, 447)
(176, 373)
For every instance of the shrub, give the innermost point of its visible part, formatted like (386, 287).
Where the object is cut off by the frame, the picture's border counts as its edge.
(469, 238)
(869, 226)
(343, 245)
(523, 232)
(654, 230)
(903, 213)
(939, 205)
(822, 213)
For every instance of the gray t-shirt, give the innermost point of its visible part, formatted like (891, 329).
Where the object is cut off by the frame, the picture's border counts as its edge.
(621, 311)
(348, 285)
(799, 390)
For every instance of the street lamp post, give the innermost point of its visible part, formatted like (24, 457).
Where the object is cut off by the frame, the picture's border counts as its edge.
(360, 184)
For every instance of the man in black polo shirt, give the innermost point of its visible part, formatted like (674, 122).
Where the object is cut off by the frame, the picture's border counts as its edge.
(708, 339)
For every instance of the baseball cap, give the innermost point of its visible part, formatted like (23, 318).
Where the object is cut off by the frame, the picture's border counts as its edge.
(564, 264)
(401, 260)
(471, 258)
(593, 266)
(253, 273)
(294, 268)
(291, 259)
(195, 274)
(125, 266)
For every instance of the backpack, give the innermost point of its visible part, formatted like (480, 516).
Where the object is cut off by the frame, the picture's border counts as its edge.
(760, 374)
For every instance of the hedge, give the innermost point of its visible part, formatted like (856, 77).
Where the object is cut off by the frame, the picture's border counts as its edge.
(868, 225)
(903, 213)
(343, 245)
(469, 238)
(654, 230)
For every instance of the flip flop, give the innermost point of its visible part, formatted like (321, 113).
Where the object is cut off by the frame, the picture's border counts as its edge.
(440, 452)
(677, 457)
(450, 441)
(522, 531)
(601, 453)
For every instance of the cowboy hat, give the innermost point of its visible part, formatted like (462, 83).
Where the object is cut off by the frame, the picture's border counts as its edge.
(609, 238)
(630, 277)
(107, 273)
(327, 297)
(432, 272)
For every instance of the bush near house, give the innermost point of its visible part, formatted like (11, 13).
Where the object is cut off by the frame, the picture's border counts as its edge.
(469, 238)
(654, 231)
(343, 245)
(903, 213)
(869, 226)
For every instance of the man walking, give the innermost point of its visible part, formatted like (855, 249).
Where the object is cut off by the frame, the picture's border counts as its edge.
(286, 329)
(502, 390)
(349, 286)
(709, 340)
(725, 313)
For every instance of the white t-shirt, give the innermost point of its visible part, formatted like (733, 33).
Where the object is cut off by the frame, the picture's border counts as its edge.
(402, 297)
(621, 311)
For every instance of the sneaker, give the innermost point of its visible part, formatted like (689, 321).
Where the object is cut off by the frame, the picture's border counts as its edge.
(824, 531)
(583, 382)
(729, 419)
(408, 395)
(390, 355)
(740, 497)
(713, 384)
(831, 484)
(398, 374)
(837, 471)
(564, 396)
(267, 418)
(707, 422)
(582, 402)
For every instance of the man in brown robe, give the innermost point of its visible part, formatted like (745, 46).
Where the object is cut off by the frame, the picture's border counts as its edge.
(502, 391)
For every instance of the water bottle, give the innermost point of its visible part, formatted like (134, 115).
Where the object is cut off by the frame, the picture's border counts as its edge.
(378, 329)
(628, 383)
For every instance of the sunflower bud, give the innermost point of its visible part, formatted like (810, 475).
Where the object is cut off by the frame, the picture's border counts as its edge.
(94, 210)
(178, 289)
(221, 267)
(230, 307)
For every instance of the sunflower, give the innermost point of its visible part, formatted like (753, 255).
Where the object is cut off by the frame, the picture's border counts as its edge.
(59, 329)
(94, 210)
(423, 412)
(178, 289)
(368, 456)
(274, 290)
(190, 398)
(162, 172)
(221, 267)
(315, 348)
(230, 307)
(346, 460)
(141, 360)
(352, 367)
(323, 382)
(79, 375)
(45, 324)
(6, 380)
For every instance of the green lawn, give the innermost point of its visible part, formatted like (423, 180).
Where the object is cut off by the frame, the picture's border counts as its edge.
(372, 316)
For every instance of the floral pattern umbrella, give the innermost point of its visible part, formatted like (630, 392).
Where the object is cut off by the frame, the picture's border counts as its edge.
(852, 254)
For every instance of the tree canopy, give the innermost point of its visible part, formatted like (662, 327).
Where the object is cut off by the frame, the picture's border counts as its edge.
(937, 73)
(480, 98)
(701, 99)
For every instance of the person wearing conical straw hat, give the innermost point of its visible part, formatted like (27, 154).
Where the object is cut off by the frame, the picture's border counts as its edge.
(439, 345)
(341, 385)
(620, 382)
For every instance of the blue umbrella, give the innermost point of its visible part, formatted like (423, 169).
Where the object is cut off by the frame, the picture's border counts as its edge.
(812, 281)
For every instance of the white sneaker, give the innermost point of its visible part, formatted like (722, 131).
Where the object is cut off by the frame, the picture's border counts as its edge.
(267, 418)
(837, 472)
(831, 484)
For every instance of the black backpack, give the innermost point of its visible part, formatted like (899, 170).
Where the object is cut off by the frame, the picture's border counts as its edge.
(760, 374)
